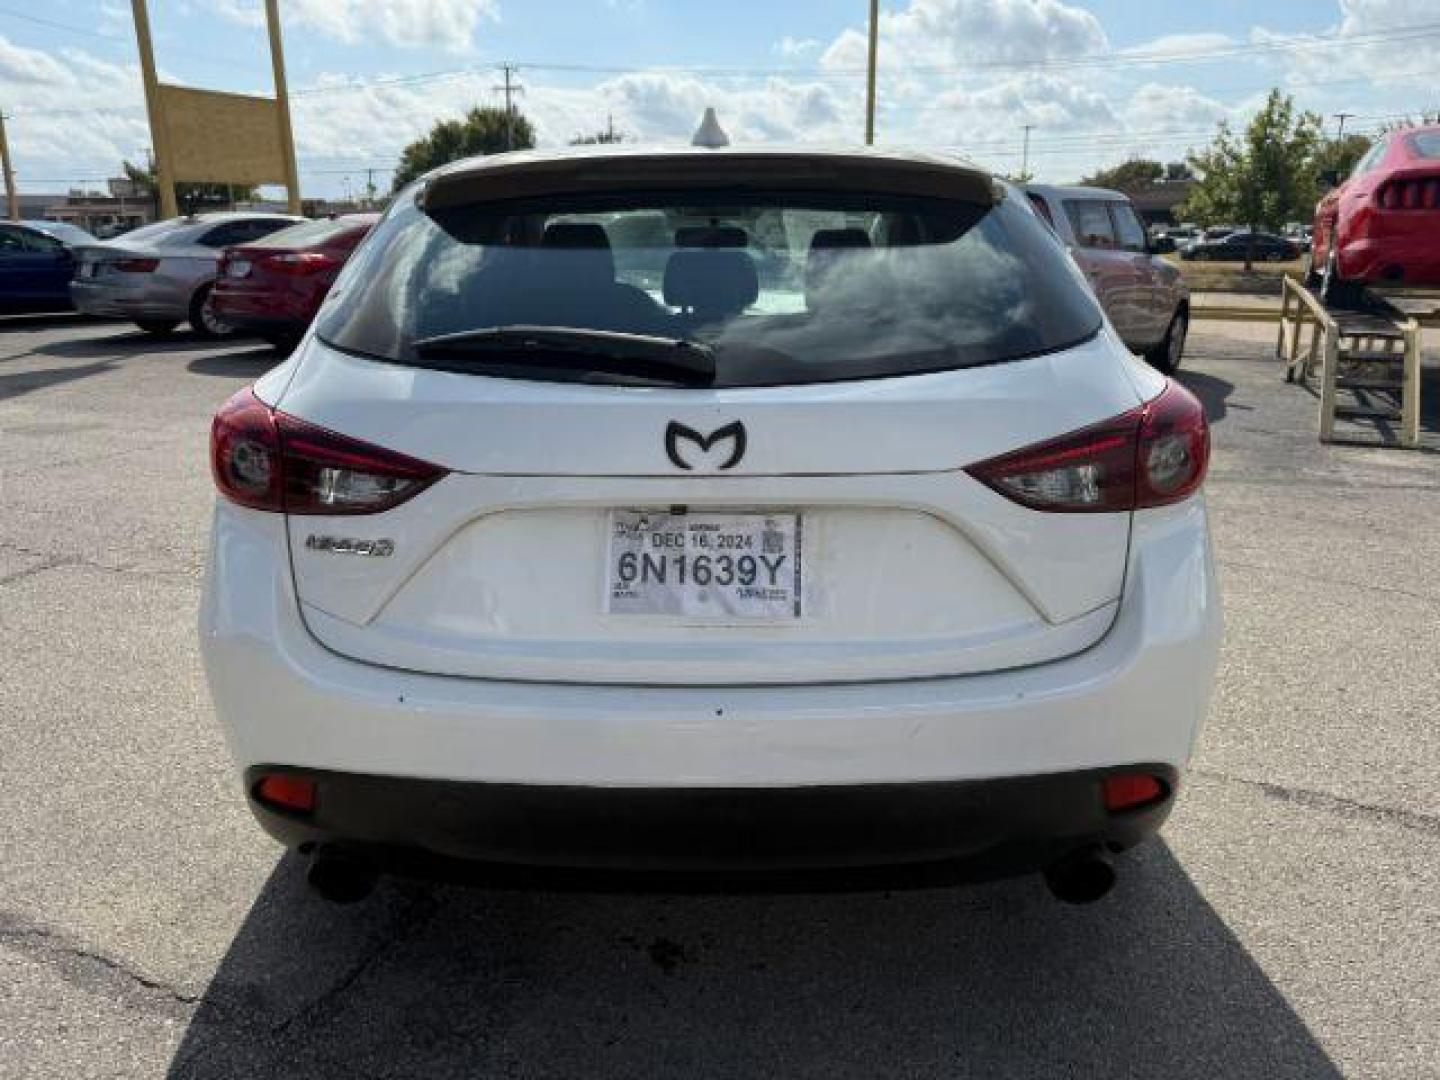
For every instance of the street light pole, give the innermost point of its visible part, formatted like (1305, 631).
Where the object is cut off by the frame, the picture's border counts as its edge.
(1025, 154)
(870, 76)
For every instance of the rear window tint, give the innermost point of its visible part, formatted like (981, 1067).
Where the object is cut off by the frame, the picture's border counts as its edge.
(1426, 143)
(1090, 218)
(311, 233)
(782, 288)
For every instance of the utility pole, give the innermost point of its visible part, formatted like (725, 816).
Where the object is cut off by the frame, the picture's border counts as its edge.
(609, 127)
(510, 89)
(870, 73)
(12, 197)
(1342, 117)
(282, 107)
(1025, 153)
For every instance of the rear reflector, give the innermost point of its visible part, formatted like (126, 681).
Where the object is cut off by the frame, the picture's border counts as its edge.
(1150, 456)
(295, 793)
(266, 460)
(1128, 791)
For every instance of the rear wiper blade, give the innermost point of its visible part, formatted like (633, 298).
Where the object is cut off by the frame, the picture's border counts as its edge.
(609, 351)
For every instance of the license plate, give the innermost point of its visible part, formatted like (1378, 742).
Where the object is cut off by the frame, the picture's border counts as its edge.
(705, 566)
(89, 269)
(238, 268)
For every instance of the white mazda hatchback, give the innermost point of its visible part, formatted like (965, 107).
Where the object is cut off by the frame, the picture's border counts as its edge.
(726, 513)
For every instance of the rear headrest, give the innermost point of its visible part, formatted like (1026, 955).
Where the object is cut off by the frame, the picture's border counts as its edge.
(587, 248)
(714, 282)
(828, 249)
(711, 236)
(575, 234)
(826, 239)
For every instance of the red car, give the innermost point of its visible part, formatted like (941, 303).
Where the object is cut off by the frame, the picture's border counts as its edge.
(274, 286)
(1382, 225)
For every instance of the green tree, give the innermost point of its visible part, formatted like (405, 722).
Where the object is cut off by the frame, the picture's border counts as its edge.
(1340, 155)
(192, 198)
(1262, 178)
(484, 130)
(1137, 174)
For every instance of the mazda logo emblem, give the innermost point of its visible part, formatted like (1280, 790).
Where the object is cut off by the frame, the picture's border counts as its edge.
(675, 433)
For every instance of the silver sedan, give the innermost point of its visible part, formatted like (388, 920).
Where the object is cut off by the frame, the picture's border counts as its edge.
(160, 275)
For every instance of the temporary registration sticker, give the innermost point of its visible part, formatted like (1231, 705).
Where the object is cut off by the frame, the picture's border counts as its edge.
(735, 566)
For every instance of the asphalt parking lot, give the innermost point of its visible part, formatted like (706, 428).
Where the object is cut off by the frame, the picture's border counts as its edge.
(1288, 925)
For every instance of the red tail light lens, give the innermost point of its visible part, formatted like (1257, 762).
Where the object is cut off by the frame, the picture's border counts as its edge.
(296, 793)
(137, 266)
(1419, 194)
(1150, 456)
(301, 263)
(266, 460)
(1130, 791)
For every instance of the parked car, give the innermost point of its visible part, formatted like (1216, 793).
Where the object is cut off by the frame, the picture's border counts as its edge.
(36, 261)
(1383, 223)
(161, 274)
(274, 286)
(1145, 297)
(900, 560)
(1237, 246)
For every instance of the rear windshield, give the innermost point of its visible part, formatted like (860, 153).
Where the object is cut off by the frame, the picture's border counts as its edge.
(310, 233)
(157, 229)
(1426, 143)
(773, 289)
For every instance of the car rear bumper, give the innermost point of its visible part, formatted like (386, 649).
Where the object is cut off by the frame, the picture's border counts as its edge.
(1412, 259)
(874, 833)
(263, 310)
(1139, 695)
(125, 302)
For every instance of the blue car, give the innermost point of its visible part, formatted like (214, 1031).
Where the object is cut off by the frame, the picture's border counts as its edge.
(36, 265)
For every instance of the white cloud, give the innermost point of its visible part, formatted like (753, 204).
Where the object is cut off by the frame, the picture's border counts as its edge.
(953, 32)
(446, 24)
(21, 65)
(796, 47)
(1170, 45)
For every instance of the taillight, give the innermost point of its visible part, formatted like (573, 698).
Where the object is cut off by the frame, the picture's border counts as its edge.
(1418, 194)
(136, 266)
(266, 460)
(1150, 456)
(301, 263)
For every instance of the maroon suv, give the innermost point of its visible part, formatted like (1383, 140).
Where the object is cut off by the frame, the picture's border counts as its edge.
(274, 286)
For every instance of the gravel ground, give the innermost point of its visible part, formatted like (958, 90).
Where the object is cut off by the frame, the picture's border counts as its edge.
(1288, 924)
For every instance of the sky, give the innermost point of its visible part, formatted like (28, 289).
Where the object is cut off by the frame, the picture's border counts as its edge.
(1096, 81)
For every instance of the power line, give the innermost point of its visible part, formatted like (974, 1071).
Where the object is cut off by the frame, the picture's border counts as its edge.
(1108, 58)
(121, 40)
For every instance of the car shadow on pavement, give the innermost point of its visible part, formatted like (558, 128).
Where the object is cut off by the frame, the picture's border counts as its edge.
(123, 342)
(14, 384)
(252, 362)
(1213, 392)
(997, 980)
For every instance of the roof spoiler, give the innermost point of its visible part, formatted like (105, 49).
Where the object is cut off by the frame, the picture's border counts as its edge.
(500, 181)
